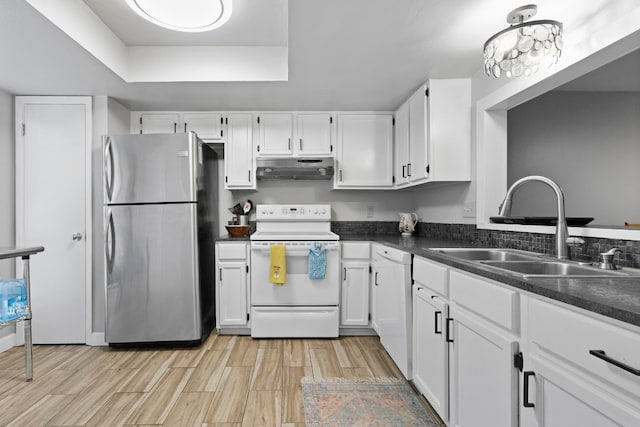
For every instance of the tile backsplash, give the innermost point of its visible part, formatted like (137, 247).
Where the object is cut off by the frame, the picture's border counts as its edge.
(534, 242)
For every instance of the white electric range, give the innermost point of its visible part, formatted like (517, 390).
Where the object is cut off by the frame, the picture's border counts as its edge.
(301, 307)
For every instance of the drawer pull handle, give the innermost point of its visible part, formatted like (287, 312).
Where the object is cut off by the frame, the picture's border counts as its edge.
(600, 354)
(525, 386)
(435, 322)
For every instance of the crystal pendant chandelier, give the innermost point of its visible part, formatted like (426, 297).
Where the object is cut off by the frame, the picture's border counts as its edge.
(184, 15)
(523, 48)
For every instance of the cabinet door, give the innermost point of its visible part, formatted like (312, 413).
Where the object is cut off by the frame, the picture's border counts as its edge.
(365, 151)
(232, 292)
(430, 350)
(315, 135)
(159, 122)
(375, 310)
(418, 131)
(449, 130)
(401, 145)
(385, 298)
(562, 399)
(275, 133)
(208, 126)
(380, 310)
(238, 155)
(484, 381)
(354, 304)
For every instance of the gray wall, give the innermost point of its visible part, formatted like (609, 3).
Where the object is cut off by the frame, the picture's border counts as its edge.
(7, 188)
(589, 143)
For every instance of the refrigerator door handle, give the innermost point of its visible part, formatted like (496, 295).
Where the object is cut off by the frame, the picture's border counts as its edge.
(110, 236)
(108, 168)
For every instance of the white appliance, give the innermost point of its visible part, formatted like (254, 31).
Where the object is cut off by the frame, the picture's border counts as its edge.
(393, 309)
(160, 213)
(301, 307)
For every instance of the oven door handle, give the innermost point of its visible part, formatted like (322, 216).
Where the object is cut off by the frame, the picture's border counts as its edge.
(292, 250)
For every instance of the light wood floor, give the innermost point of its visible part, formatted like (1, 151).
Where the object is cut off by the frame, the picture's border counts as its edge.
(228, 381)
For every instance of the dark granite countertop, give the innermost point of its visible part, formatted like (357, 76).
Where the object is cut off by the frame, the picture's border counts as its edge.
(618, 298)
(227, 238)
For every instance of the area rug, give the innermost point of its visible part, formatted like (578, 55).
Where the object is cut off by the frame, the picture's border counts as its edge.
(339, 402)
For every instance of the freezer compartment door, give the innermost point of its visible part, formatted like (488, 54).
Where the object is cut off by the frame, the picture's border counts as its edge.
(152, 286)
(150, 168)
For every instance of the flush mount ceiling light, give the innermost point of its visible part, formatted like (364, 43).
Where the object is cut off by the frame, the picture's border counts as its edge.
(184, 15)
(523, 48)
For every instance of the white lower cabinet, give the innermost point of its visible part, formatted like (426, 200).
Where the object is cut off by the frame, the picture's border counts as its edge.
(484, 381)
(581, 370)
(354, 295)
(378, 271)
(560, 399)
(232, 283)
(465, 339)
(430, 349)
(392, 310)
(517, 359)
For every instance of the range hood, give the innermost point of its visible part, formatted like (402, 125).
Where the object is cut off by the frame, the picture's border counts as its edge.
(294, 168)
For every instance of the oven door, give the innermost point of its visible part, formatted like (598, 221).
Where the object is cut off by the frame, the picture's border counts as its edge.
(298, 289)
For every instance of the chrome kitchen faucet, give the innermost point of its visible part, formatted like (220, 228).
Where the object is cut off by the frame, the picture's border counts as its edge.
(562, 232)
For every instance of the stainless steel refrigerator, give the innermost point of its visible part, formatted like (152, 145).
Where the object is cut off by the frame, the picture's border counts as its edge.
(160, 226)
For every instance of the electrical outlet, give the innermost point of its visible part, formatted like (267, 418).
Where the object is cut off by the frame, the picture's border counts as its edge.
(369, 211)
(469, 210)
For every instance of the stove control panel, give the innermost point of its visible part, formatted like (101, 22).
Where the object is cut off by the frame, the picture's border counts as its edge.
(293, 212)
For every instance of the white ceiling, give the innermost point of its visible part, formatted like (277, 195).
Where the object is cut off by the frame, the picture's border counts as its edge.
(253, 23)
(343, 54)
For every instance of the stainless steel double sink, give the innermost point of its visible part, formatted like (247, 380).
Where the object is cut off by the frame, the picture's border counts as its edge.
(531, 264)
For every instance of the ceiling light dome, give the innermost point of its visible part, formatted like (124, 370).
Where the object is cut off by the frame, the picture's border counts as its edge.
(523, 48)
(184, 15)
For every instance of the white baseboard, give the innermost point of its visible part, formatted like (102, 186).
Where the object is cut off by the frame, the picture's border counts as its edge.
(357, 332)
(7, 342)
(96, 339)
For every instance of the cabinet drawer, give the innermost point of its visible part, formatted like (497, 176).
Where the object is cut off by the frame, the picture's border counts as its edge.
(232, 251)
(431, 275)
(570, 336)
(486, 299)
(356, 250)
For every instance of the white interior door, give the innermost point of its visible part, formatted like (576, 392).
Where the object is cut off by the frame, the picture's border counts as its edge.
(51, 211)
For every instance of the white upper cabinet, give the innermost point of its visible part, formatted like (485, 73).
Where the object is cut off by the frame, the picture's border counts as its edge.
(311, 136)
(208, 126)
(448, 130)
(314, 134)
(159, 123)
(364, 158)
(275, 134)
(417, 171)
(239, 167)
(433, 134)
(401, 145)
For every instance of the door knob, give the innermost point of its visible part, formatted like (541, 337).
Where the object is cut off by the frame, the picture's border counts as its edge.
(77, 236)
